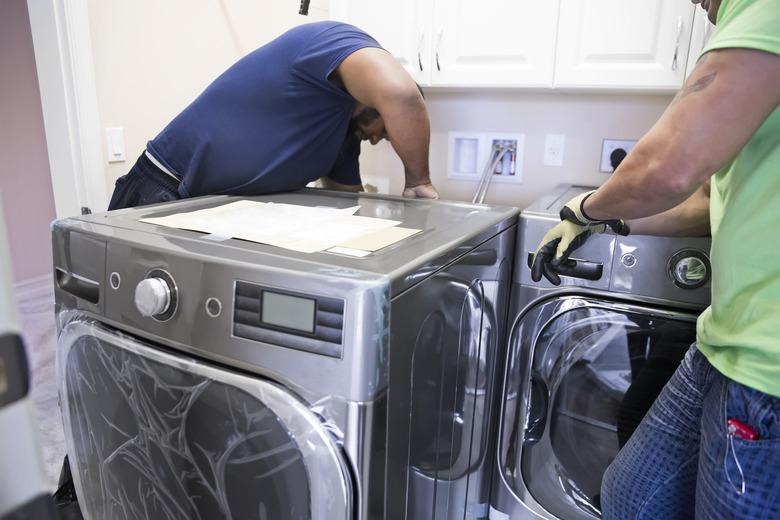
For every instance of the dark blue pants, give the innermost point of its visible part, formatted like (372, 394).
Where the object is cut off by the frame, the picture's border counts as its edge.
(144, 184)
(682, 464)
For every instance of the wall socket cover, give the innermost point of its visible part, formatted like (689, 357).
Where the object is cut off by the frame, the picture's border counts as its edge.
(610, 145)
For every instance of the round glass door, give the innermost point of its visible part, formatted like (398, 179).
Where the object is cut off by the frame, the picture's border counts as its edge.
(152, 435)
(595, 370)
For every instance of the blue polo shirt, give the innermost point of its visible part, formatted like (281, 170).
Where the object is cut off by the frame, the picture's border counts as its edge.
(271, 122)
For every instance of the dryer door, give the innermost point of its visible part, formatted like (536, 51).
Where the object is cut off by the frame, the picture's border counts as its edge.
(582, 374)
(156, 435)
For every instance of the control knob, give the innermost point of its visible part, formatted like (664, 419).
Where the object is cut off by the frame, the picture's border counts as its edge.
(155, 296)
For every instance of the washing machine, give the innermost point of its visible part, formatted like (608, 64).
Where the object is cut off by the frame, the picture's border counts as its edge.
(205, 378)
(586, 359)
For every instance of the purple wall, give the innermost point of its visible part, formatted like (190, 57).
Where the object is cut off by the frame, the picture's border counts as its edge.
(25, 183)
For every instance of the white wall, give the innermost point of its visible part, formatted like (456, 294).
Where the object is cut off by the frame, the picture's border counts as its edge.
(152, 57)
(585, 119)
(25, 181)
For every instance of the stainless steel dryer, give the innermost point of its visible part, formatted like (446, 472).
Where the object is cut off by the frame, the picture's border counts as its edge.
(587, 359)
(270, 384)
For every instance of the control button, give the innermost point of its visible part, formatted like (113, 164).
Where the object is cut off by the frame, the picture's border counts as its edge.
(689, 269)
(213, 307)
(115, 280)
(628, 260)
(152, 297)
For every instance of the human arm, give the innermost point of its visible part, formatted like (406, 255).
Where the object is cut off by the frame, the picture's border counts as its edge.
(727, 98)
(690, 218)
(376, 79)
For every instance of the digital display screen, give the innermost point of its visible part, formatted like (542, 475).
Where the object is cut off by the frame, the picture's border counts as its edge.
(291, 312)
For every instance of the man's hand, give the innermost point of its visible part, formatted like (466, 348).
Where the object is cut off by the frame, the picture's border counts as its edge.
(422, 191)
(573, 212)
(564, 238)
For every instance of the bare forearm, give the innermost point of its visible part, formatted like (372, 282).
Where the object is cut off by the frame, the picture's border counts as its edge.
(690, 218)
(727, 98)
(409, 131)
(638, 189)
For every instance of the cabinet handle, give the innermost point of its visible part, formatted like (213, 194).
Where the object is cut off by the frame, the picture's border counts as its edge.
(438, 43)
(677, 44)
(419, 51)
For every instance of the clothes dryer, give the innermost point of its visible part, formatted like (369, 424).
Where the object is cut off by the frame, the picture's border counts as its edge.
(586, 359)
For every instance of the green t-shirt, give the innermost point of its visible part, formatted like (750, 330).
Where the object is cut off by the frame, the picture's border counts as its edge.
(740, 332)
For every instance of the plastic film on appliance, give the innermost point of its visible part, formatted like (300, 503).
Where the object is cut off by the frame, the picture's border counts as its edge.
(156, 435)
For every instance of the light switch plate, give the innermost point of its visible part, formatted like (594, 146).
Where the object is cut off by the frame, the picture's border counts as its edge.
(609, 146)
(115, 144)
(554, 145)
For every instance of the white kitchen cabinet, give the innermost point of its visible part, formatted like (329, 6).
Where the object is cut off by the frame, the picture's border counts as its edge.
(462, 42)
(403, 27)
(493, 42)
(627, 44)
(702, 30)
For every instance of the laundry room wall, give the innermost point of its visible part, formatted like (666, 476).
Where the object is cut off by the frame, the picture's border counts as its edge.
(153, 58)
(585, 118)
(25, 180)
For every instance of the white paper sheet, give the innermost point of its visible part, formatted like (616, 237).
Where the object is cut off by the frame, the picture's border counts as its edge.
(299, 228)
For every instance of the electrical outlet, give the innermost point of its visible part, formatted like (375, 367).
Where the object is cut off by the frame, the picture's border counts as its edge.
(613, 151)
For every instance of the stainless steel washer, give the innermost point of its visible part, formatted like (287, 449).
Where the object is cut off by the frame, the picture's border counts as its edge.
(209, 379)
(587, 359)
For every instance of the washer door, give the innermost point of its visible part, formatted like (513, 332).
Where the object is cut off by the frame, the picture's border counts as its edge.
(586, 372)
(153, 435)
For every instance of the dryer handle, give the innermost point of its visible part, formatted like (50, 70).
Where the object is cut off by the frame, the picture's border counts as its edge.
(574, 268)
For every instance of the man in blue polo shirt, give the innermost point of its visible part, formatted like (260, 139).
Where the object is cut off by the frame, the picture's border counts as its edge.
(291, 112)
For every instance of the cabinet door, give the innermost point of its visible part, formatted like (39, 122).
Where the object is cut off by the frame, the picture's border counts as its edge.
(623, 43)
(494, 42)
(401, 26)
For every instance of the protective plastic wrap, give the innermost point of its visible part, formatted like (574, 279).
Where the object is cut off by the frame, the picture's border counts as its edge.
(153, 434)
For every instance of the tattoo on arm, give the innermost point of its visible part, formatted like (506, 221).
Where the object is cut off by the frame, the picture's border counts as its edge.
(698, 85)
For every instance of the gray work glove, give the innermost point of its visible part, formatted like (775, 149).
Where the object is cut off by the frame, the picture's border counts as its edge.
(564, 238)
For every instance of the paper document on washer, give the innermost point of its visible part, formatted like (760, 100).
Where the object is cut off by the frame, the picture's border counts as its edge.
(299, 228)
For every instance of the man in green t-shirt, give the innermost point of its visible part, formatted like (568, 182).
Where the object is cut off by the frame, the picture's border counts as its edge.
(710, 445)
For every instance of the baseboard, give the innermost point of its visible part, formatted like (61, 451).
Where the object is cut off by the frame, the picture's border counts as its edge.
(33, 288)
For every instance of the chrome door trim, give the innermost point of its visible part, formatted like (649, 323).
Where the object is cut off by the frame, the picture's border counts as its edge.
(591, 299)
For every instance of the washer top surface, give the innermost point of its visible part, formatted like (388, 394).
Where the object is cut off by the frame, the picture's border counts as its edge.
(449, 230)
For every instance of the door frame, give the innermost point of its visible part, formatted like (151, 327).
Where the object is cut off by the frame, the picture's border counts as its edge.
(66, 79)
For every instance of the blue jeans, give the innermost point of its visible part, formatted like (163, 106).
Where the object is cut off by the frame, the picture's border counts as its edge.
(681, 462)
(144, 184)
